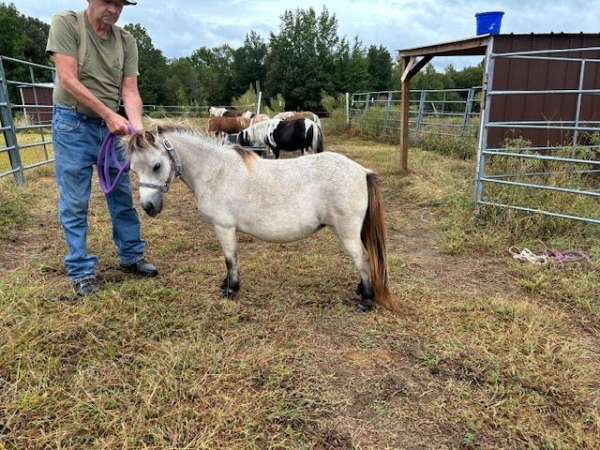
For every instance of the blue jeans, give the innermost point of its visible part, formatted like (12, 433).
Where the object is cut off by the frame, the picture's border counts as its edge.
(77, 140)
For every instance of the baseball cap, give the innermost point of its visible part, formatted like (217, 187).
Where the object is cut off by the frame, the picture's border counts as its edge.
(127, 2)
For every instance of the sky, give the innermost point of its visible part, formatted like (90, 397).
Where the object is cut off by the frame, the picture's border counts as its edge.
(178, 27)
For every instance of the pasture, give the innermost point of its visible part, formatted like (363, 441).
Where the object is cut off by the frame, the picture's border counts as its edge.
(486, 352)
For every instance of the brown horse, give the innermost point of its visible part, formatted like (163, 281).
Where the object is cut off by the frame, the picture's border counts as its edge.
(227, 125)
(295, 115)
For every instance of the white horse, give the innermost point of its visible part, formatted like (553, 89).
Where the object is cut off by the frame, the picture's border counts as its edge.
(214, 111)
(275, 201)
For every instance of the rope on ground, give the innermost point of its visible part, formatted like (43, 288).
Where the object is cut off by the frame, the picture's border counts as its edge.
(527, 255)
(549, 255)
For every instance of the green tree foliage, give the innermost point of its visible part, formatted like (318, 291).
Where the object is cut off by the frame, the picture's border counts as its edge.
(379, 63)
(24, 38)
(183, 83)
(152, 66)
(248, 64)
(213, 67)
(302, 58)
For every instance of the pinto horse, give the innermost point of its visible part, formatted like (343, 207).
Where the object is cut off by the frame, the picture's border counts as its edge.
(275, 201)
(277, 134)
(227, 125)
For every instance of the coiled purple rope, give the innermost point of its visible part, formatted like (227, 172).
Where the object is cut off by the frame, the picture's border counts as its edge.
(107, 153)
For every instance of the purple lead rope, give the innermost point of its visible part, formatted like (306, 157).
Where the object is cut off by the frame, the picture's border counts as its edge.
(107, 153)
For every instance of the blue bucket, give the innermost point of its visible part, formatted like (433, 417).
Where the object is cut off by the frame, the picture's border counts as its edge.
(489, 22)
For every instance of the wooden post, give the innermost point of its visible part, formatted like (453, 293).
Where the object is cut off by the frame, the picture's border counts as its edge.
(404, 112)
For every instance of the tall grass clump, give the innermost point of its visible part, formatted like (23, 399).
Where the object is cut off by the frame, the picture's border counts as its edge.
(463, 147)
(247, 98)
(275, 105)
(463, 230)
(336, 108)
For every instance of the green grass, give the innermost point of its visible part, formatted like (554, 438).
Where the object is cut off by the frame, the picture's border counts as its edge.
(30, 155)
(486, 353)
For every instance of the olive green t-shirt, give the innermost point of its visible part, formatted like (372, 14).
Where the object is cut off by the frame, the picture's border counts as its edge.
(101, 72)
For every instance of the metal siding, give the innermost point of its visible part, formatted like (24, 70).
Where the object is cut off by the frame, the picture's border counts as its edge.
(44, 97)
(514, 74)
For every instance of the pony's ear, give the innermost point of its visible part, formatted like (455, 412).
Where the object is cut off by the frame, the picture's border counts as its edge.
(150, 138)
(138, 141)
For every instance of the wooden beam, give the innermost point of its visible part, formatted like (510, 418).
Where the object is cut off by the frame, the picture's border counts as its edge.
(404, 117)
(472, 46)
(412, 62)
(418, 66)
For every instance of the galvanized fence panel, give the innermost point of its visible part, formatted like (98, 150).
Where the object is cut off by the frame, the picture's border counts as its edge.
(562, 180)
(24, 124)
(440, 112)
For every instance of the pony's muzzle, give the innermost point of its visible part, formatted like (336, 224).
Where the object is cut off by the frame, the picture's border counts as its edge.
(153, 209)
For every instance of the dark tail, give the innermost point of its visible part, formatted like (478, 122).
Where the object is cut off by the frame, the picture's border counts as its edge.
(317, 140)
(373, 237)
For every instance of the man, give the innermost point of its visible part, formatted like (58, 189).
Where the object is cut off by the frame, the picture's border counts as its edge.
(96, 64)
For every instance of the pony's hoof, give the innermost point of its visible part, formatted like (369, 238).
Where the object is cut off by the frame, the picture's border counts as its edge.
(230, 294)
(228, 291)
(364, 307)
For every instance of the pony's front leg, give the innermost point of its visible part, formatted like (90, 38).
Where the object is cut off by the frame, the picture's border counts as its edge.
(230, 287)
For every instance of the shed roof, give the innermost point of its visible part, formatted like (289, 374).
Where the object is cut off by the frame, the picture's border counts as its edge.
(470, 46)
(477, 45)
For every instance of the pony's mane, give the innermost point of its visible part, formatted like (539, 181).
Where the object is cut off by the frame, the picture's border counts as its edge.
(141, 142)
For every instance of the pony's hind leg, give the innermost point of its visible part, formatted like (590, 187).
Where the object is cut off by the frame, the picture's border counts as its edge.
(230, 287)
(350, 238)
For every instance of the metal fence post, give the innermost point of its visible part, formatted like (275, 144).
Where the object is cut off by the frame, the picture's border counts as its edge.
(485, 118)
(468, 110)
(259, 102)
(347, 110)
(386, 120)
(420, 113)
(8, 125)
(368, 100)
(579, 97)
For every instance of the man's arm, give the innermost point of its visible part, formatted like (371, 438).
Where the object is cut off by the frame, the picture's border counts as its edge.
(132, 102)
(66, 69)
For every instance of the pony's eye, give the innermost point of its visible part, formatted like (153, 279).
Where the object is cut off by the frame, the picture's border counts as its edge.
(156, 167)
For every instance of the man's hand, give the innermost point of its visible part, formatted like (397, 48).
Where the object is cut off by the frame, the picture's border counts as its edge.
(117, 124)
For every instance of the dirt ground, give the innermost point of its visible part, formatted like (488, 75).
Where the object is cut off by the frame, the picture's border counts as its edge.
(486, 353)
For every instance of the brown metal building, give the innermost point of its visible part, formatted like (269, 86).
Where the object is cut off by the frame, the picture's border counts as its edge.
(40, 94)
(510, 74)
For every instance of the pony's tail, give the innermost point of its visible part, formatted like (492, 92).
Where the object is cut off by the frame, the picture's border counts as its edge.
(373, 237)
(317, 140)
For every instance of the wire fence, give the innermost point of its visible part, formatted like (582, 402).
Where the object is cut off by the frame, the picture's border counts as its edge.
(191, 111)
(440, 112)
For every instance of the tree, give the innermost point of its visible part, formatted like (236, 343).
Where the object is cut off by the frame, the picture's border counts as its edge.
(183, 83)
(248, 64)
(152, 67)
(301, 60)
(358, 70)
(24, 38)
(213, 67)
(379, 63)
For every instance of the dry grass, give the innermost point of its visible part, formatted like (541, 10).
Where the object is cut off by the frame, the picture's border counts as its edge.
(486, 354)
